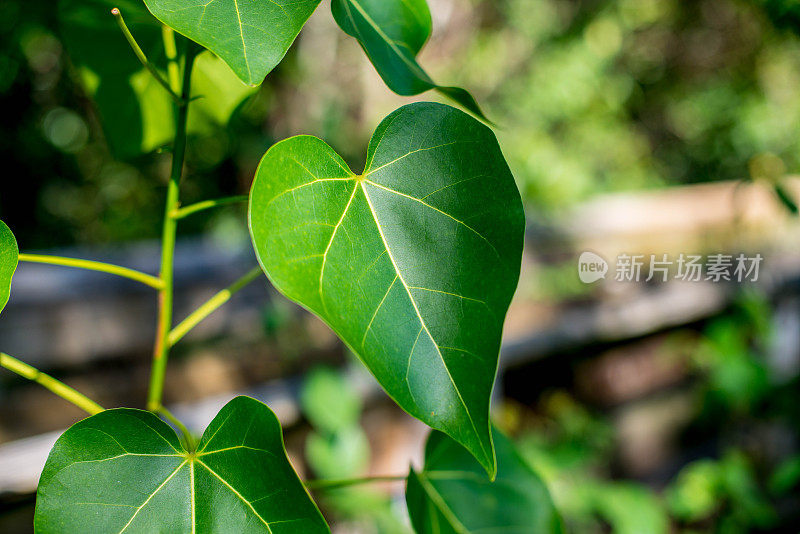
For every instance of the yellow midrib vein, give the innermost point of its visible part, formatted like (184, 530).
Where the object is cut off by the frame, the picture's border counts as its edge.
(244, 45)
(419, 315)
(330, 243)
(150, 497)
(441, 505)
(411, 64)
(239, 495)
(434, 208)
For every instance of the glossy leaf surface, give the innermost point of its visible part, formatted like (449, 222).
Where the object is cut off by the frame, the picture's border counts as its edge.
(451, 495)
(9, 257)
(413, 264)
(135, 111)
(252, 36)
(392, 33)
(125, 470)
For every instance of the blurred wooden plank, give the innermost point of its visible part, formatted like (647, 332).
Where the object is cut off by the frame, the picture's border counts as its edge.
(620, 222)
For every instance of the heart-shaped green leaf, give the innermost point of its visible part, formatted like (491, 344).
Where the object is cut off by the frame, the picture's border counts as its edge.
(124, 470)
(136, 112)
(9, 257)
(413, 264)
(251, 36)
(450, 495)
(392, 33)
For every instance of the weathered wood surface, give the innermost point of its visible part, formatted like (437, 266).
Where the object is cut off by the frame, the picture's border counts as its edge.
(60, 317)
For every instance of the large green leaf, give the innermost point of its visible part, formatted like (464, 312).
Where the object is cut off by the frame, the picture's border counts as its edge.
(251, 36)
(125, 470)
(392, 33)
(413, 263)
(450, 495)
(9, 257)
(136, 112)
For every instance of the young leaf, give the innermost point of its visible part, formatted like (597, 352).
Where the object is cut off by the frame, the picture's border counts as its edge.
(9, 256)
(125, 470)
(450, 495)
(328, 401)
(252, 37)
(413, 263)
(136, 112)
(392, 33)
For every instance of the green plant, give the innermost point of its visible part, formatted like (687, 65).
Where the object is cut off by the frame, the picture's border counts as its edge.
(412, 263)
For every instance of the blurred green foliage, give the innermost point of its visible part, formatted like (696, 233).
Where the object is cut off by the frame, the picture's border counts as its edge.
(338, 449)
(610, 95)
(739, 471)
(591, 96)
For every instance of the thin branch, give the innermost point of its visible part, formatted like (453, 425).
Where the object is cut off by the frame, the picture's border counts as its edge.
(168, 235)
(173, 69)
(188, 437)
(89, 265)
(207, 204)
(137, 50)
(59, 388)
(213, 304)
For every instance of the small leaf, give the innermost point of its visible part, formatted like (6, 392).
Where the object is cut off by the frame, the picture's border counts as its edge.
(413, 264)
(328, 401)
(136, 112)
(250, 36)
(392, 33)
(630, 508)
(9, 257)
(125, 470)
(451, 495)
(345, 454)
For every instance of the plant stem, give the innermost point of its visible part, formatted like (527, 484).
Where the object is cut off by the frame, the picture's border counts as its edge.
(214, 303)
(208, 204)
(124, 272)
(171, 50)
(190, 442)
(140, 55)
(166, 294)
(59, 388)
(336, 484)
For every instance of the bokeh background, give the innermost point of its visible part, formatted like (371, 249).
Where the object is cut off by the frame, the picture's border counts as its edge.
(632, 126)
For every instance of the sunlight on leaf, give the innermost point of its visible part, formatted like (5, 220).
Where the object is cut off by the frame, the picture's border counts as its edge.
(413, 263)
(251, 37)
(136, 112)
(125, 470)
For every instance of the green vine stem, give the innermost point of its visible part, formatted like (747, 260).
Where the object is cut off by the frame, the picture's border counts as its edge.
(166, 294)
(326, 485)
(59, 388)
(171, 51)
(210, 307)
(188, 438)
(140, 55)
(208, 204)
(124, 272)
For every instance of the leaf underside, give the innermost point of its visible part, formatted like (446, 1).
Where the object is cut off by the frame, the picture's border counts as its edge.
(135, 111)
(392, 33)
(9, 257)
(451, 495)
(413, 264)
(251, 36)
(125, 471)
